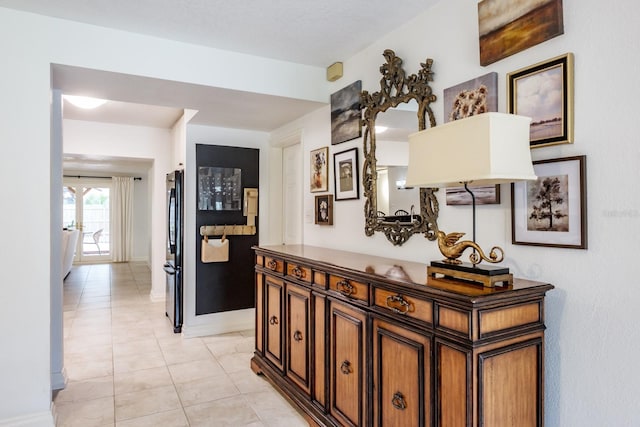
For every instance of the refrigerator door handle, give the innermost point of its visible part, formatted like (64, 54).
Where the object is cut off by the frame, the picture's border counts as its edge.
(169, 269)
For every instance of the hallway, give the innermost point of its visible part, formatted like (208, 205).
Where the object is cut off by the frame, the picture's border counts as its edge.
(126, 367)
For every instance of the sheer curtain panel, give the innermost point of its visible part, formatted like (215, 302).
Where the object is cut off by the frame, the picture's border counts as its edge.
(122, 218)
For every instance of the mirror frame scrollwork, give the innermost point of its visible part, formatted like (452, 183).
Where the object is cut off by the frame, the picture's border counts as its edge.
(395, 89)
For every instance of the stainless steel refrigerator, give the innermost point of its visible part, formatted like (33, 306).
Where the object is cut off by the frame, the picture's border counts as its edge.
(173, 264)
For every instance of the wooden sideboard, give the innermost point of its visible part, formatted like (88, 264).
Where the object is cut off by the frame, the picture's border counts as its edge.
(359, 340)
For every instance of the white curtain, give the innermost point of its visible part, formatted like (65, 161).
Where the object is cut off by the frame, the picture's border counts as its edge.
(122, 218)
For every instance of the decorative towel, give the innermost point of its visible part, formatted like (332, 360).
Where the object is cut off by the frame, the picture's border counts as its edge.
(215, 250)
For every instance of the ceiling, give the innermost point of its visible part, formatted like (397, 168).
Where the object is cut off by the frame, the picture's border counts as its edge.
(309, 32)
(313, 32)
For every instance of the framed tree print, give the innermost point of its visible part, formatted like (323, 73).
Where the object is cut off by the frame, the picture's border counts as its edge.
(345, 175)
(551, 211)
(319, 170)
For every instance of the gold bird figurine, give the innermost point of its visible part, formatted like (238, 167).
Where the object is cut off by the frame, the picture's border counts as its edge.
(452, 249)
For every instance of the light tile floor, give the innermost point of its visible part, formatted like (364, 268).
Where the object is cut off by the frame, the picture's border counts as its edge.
(126, 367)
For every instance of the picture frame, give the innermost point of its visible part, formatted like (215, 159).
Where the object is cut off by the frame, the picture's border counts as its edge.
(319, 170)
(346, 179)
(551, 211)
(484, 194)
(346, 123)
(475, 96)
(507, 27)
(323, 212)
(544, 92)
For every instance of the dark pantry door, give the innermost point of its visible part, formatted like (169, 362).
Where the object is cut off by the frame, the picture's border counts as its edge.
(225, 286)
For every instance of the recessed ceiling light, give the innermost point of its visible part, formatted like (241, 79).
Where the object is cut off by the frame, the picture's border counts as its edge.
(85, 102)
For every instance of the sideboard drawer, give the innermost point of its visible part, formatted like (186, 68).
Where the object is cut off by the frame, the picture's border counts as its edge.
(404, 305)
(299, 272)
(349, 288)
(274, 264)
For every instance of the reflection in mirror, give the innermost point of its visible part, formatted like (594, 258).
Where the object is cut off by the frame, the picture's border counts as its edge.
(402, 106)
(396, 201)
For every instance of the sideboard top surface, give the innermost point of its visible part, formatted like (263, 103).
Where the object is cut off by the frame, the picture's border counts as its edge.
(395, 271)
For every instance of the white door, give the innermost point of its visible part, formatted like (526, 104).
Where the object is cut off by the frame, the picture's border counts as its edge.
(86, 207)
(292, 194)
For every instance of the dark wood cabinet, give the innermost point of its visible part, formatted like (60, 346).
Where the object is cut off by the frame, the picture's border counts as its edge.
(402, 361)
(298, 304)
(348, 362)
(357, 340)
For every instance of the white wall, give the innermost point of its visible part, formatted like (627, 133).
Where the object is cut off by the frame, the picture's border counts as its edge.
(32, 44)
(154, 144)
(592, 342)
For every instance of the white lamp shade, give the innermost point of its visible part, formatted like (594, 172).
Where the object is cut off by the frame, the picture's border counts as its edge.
(489, 148)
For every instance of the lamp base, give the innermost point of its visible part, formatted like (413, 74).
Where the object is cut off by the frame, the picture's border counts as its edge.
(487, 275)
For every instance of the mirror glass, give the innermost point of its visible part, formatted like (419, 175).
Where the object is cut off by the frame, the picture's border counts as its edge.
(400, 108)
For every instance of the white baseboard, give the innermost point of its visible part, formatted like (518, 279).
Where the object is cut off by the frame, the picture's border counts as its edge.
(40, 419)
(220, 323)
(59, 379)
(157, 297)
(140, 259)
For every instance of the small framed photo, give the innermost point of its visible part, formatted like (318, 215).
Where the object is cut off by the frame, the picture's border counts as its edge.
(319, 170)
(324, 209)
(544, 92)
(345, 175)
(551, 211)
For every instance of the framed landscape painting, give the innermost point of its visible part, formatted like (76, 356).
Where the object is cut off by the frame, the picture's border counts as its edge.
(345, 113)
(551, 211)
(544, 92)
(507, 27)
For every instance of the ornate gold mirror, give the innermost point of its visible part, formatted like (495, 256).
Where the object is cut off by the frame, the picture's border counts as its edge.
(397, 91)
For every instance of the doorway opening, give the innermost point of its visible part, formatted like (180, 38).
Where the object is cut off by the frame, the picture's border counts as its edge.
(86, 207)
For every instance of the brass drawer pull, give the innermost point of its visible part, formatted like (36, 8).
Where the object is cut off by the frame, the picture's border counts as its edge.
(345, 287)
(273, 320)
(272, 265)
(398, 401)
(297, 335)
(398, 304)
(298, 272)
(345, 368)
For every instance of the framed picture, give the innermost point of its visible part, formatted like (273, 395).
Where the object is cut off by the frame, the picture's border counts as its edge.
(345, 175)
(544, 92)
(472, 97)
(219, 189)
(324, 209)
(507, 27)
(319, 170)
(345, 113)
(485, 195)
(551, 211)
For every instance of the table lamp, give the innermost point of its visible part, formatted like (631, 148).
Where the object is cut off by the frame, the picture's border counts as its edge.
(486, 149)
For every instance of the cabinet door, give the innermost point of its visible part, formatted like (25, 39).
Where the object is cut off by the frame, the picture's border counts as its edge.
(298, 339)
(401, 376)
(348, 356)
(274, 341)
(260, 313)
